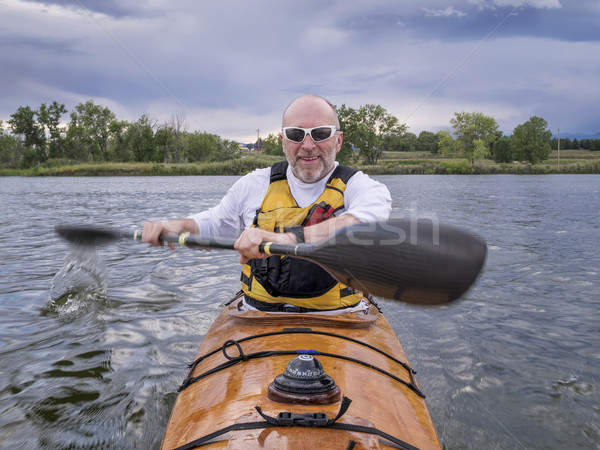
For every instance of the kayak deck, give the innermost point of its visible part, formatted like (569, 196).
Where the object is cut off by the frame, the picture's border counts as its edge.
(250, 348)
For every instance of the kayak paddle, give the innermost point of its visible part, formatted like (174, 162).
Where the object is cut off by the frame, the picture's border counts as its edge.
(415, 261)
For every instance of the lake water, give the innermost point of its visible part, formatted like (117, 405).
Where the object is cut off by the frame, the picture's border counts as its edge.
(93, 345)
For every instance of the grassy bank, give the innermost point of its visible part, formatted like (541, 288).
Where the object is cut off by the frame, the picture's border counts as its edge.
(231, 167)
(392, 163)
(406, 163)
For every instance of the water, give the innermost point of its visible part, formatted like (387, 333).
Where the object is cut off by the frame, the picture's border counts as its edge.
(93, 345)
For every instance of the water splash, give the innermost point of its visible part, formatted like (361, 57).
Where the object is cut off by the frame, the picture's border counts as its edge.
(79, 285)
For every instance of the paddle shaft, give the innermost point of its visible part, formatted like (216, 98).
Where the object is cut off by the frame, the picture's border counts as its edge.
(269, 248)
(88, 235)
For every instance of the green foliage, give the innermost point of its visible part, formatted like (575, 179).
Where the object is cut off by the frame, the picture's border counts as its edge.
(474, 134)
(400, 142)
(481, 150)
(36, 142)
(91, 128)
(23, 123)
(272, 145)
(165, 141)
(531, 141)
(200, 147)
(445, 142)
(501, 150)
(49, 118)
(427, 142)
(139, 140)
(459, 167)
(10, 149)
(575, 144)
(367, 128)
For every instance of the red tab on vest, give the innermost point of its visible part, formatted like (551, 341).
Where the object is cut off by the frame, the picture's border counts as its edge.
(317, 214)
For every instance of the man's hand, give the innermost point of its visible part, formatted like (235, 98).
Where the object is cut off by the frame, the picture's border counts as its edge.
(249, 241)
(153, 231)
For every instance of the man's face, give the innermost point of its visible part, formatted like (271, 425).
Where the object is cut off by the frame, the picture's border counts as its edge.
(310, 161)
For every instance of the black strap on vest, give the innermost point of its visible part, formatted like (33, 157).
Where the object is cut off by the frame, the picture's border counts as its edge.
(344, 173)
(278, 171)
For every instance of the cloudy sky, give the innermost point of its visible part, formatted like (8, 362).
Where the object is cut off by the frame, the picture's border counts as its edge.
(231, 66)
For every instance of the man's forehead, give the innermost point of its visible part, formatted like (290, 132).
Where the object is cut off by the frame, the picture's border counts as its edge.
(308, 108)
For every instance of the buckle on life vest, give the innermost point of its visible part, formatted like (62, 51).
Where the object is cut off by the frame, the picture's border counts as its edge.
(317, 214)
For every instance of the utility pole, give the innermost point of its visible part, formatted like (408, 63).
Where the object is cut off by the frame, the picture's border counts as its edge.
(558, 160)
(258, 141)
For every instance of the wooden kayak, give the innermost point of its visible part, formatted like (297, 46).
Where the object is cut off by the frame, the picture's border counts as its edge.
(231, 398)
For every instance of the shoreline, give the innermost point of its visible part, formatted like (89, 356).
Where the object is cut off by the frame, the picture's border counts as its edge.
(390, 164)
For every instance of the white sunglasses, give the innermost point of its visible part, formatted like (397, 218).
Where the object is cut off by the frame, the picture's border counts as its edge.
(317, 134)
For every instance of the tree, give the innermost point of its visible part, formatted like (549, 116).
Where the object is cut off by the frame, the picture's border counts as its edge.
(227, 150)
(575, 144)
(10, 149)
(139, 139)
(501, 151)
(400, 142)
(346, 155)
(49, 118)
(365, 128)
(208, 147)
(162, 141)
(77, 146)
(272, 145)
(345, 116)
(530, 141)
(427, 142)
(119, 148)
(170, 139)
(91, 124)
(200, 146)
(474, 133)
(445, 142)
(23, 123)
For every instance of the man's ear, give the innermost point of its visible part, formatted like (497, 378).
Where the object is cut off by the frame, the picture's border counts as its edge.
(340, 139)
(281, 140)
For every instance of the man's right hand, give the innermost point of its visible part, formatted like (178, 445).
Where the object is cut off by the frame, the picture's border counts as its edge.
(154, 230)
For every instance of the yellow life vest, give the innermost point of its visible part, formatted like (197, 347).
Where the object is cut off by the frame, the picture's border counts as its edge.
(286, 280)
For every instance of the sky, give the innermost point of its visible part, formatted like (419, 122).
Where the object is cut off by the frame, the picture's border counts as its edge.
(230, 67)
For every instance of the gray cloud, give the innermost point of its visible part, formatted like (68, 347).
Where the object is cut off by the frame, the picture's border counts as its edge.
(231, 67)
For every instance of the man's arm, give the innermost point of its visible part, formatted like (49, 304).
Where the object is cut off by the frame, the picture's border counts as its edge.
(248, 242)
(225, 220)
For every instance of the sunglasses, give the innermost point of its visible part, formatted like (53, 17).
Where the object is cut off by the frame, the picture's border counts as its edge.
(317, 134)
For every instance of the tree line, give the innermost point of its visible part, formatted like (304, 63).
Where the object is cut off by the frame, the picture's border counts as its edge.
(575, 144)
(94, 133)
(370, 130)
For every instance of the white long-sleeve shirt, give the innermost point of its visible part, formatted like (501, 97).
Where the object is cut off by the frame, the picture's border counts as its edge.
(366, 199)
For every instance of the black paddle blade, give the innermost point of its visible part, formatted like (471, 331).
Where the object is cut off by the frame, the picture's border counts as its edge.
(418, 262)
(88, 235)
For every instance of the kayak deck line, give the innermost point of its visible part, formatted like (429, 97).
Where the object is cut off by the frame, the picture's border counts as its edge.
(312, 420)
(242, 357)
(226, 404)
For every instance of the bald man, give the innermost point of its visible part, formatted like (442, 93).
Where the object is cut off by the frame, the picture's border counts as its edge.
(302, 199)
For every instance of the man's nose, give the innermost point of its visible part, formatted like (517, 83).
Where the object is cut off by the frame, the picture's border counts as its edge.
(308, 142)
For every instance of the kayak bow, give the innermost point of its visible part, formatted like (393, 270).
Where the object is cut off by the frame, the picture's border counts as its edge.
(287, 380)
